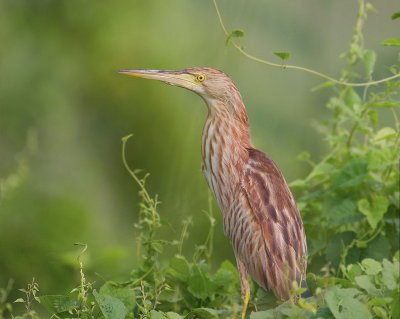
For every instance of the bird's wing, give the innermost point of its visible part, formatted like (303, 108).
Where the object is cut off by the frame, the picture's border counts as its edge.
(277, 222)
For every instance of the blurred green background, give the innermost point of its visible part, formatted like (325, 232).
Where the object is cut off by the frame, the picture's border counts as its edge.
(64, 110)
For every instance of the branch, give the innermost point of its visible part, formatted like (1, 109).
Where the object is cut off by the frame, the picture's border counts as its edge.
(295, 67)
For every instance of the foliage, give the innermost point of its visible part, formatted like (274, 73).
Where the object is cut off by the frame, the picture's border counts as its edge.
(350, 206)
(282, 55)
(234, 34)
(353, 192)
(369, 290)
(392, 41)
(28, 300)
(5, 306)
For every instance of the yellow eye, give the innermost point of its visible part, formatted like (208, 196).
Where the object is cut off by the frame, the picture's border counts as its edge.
(200, 78)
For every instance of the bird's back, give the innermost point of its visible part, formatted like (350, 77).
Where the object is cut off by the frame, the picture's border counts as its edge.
(281, 254)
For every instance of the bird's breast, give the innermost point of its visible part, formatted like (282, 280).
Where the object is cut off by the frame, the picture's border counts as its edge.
(221, 161)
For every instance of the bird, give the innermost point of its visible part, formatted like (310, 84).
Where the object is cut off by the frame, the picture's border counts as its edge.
(260, 215)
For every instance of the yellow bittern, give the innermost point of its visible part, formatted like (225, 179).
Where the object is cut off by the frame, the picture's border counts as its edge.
(259, 212)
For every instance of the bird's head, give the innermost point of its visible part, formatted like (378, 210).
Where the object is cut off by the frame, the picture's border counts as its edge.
(214, 86)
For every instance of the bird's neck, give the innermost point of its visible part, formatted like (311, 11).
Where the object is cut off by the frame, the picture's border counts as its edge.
(225, 141)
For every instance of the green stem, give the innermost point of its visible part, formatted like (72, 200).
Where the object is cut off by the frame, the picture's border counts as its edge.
(131, 172)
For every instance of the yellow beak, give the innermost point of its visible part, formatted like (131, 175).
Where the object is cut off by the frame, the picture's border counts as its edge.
(178, 78)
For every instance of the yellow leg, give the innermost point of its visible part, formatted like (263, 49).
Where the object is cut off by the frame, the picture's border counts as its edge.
(246, 299)
(244, 284)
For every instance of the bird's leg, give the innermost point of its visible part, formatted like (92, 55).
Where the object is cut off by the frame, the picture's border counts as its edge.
(246, 299)
(244, 284)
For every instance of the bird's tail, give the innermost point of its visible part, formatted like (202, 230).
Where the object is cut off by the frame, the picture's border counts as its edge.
(307, 293)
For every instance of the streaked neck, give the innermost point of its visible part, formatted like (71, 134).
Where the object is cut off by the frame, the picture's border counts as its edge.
(225, 141)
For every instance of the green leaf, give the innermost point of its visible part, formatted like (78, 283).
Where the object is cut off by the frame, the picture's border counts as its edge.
(321, 171)
(199, 283)
(379, 301)
(380, 312)
(171, 295)
(393, 42)
(390, 274)
(373, 211)
(269, 314)
(335, 246)
(234, 34)
(351, 98)
(125, 294)
(396, 15)
(309, 307)
(58, 303)
(323, 312)
(111, 307)
(323, 85)
(340, 211)
(157, 315)
(298, 183)
(396, 256)
(369, 59)
(388, 104)
(373, 115)
(396, 306)
(371, 266)
(384, 134)
(173, 315)
(223, 277)
(202, 313)
(19, 300)
(179, 267)
(265, 300)
(379, 159)
(226, 279)
(365, 282)
(304, 156)
(352, 174)
(378, 249)
(344, 305)
(370, 8)
(352, 271)
(353, 255)
(282, 55)
(284, 310)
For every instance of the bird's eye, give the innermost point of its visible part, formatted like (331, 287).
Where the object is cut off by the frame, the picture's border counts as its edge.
(200, 78)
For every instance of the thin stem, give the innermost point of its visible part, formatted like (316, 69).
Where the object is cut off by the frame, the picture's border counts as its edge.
(184, 233)
(396, 146)
(131, 172)
(295, 67)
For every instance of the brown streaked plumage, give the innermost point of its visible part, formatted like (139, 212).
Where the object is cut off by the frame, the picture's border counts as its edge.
(259, 212)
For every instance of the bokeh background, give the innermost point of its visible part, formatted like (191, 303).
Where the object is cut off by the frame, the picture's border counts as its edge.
(64, 110)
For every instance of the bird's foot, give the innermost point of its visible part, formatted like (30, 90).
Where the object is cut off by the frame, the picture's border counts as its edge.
(246, 299)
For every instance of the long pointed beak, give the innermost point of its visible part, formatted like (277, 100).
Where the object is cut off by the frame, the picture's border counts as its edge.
(178, 78)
